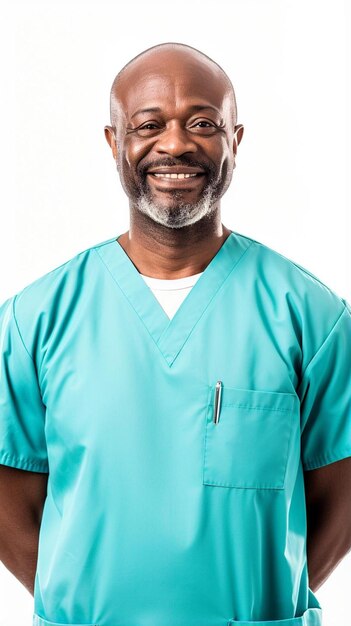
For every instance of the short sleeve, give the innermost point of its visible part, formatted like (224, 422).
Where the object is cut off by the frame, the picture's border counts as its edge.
(22, 412)
(325, 397)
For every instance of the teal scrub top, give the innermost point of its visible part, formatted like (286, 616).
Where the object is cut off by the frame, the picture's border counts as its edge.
(156, 514)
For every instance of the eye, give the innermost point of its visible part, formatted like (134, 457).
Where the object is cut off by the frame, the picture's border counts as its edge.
(205, 127)
(204, 122)
(147, 130)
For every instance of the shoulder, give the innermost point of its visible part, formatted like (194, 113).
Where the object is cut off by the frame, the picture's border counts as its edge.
(313, 305)
(293, 277)
(51, 290)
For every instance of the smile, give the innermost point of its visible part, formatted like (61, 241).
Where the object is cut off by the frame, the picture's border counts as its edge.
(174, 175)
(180, 181)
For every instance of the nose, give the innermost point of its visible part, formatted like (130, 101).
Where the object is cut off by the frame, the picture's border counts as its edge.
(175, 141)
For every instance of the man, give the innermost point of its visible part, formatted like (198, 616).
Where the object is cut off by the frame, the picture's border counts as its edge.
(175, 401)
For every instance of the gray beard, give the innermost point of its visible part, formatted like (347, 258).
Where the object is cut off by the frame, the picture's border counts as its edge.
(183, 214)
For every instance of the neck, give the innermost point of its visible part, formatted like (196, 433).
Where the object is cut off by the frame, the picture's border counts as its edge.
(170, 253)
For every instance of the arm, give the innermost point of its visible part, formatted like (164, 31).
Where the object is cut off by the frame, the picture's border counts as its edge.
(22, 496)
(328, 505)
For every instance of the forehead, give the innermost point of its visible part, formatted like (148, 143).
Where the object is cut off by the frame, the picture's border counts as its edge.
(171, 82)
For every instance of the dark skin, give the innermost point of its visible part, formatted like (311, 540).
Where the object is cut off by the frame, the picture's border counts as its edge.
(206, 137)
(181, 80)
(22, 498)
(328, 505)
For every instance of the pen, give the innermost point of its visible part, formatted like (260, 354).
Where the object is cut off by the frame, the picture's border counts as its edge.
(217, 401)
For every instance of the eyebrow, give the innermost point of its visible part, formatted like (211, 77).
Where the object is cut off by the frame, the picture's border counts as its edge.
(194, 107)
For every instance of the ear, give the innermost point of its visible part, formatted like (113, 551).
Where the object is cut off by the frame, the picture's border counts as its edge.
(111, 140)
(238, 135)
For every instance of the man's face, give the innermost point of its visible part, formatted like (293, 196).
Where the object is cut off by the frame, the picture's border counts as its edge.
(175, 161)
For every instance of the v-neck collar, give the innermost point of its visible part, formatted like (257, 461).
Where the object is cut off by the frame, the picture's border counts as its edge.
(170, 335)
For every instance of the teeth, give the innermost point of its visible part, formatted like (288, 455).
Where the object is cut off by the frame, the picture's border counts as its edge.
(174, 175)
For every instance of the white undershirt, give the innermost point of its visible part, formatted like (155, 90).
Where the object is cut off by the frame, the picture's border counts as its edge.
(171, 292)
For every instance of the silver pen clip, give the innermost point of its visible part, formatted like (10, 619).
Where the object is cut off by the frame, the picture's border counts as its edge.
(217, 401)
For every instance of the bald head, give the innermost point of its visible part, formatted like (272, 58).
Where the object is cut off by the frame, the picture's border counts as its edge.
(176, 57)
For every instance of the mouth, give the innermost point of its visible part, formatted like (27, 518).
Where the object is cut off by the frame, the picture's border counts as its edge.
(176, 180)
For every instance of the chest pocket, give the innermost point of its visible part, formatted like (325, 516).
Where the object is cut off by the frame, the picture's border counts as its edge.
(248, 447)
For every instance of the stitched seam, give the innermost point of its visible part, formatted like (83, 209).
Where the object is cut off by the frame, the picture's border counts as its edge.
(18, 329)
(304, 270)
(322, 344)
(288, 446)
(5, 456)
(205, 453)
(325, 457)
(223, 484)
(255, 408)
(214, 295)
(86, 250)
(128, 300)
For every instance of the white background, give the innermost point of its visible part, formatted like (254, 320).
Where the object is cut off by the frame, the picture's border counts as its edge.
(290, 65)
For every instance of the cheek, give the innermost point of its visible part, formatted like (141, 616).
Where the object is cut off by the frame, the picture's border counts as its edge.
(134, 152)
(228, 154)
(225, 170)
(220, 153)
(226, 165)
